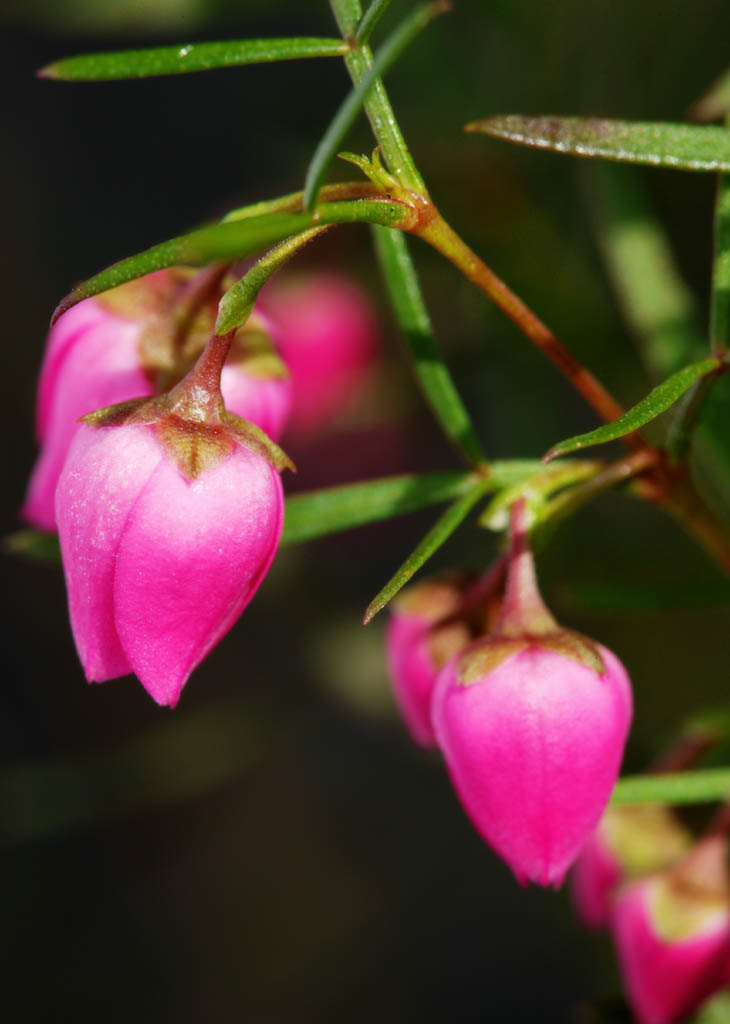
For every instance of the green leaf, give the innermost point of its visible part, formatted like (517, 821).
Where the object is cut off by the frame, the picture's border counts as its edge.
(684, 147)
(655, 300)
(334, 509)
(720, 301)
(34, 544)
(698, 787)
(436, 382)
(656, 402)
(443, 528)
(350, 107)
(231, 241)
(181, 60)
(237, 304)
(370, 19)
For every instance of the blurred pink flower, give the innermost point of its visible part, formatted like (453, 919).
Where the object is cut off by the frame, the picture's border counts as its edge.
(329, 339)
(672, 935)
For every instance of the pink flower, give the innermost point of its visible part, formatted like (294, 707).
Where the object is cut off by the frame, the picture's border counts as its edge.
(329, 339)
(416, 651)
(169, 514)
(92, 360)
(672, 935)
(532, 722)
(628, 843)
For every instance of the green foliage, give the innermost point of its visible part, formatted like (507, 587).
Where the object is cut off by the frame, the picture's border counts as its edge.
(683, 147)
(188, 57)
(436, 382)
(700, 787)
(656, 402)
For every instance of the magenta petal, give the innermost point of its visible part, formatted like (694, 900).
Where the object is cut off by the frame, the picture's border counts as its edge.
(191, 558)
(99, 367)
(533, 750)
(265, 401)
(63, 335)
(104, 473)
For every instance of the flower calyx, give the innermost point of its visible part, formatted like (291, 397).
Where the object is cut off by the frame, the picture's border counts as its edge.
(191, 421)
(525, 620)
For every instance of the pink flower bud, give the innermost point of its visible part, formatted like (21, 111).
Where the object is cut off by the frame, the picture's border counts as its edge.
(329, 339)
(532, 722)
(416, 651)
(92, 360)
(169, 514)
(672, 935)
(629, 842)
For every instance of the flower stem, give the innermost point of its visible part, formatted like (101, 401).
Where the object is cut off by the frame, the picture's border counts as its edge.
(198, 395)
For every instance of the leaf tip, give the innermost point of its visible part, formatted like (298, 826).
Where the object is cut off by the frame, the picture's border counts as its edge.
(50, 71)
(550, 454)
(370, 612)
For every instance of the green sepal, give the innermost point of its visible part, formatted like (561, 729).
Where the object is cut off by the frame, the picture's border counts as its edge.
(684, 147)
(256, 440)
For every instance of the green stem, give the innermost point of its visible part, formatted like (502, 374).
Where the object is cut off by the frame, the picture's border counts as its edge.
(436, 382)
(358, 61)
(386, 56)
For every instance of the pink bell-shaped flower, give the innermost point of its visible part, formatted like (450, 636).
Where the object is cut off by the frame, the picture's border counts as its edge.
(169, 514)
(630, 842)
(532, 722)
(418, 648)
(672, 935)
(329, 339)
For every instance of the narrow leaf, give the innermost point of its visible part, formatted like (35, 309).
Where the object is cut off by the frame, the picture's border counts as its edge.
(443, 528)
(436, 382)
(231, 241)
(720, 301)
(684, 147)
(350, 107)
(656, 302)
(656, 402)
(698, 787)
(334, 509)
(237, 304)
(370, 19)
(181, 60)
(41, 547)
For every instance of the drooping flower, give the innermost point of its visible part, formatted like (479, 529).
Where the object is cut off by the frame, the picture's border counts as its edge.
(329, 339)
(118, 347)
(532, 722)
(169, 514)
(672, 935)
(628, 843)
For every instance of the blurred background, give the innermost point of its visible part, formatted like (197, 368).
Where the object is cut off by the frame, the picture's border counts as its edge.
(275, 850)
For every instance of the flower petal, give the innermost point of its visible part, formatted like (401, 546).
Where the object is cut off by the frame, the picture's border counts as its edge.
(191, 558)
(105, 471)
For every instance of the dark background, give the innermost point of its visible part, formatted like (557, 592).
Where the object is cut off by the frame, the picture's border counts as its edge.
(275, 850)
